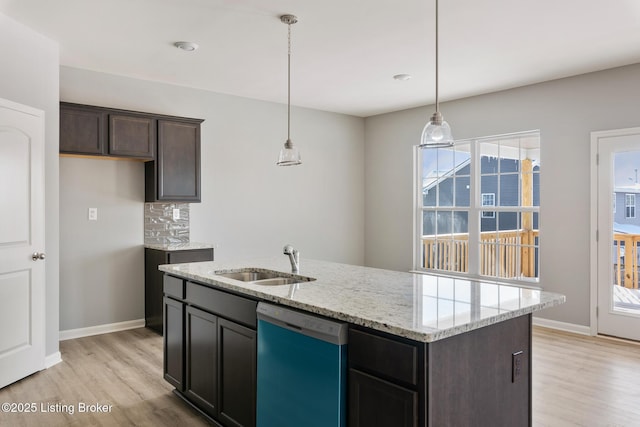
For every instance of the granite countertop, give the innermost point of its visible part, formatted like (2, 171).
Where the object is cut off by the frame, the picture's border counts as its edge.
(421, 307)
(178, 246)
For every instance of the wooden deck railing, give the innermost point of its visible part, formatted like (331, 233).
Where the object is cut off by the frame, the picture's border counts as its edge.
(625, 259)
(506, 254)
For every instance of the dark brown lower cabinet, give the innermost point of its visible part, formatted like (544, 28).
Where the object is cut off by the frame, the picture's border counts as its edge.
(237, 374)
(201, 383)
(153, 279)
(376, 402)
(174, 342)
(219, 350)
(465, 380)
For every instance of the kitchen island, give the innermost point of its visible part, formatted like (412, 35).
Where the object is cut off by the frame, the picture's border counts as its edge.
(423, 349)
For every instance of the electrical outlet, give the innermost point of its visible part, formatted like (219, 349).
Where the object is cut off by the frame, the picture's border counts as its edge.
(93, 214)
(516, 365)
(176, 214)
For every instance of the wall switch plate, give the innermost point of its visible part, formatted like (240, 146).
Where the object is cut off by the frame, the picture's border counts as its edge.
(516, 365)
(93, 214)
(176, 214)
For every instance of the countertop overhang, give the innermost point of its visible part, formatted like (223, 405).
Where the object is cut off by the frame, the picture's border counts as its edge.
(421, 307)
(178, 246)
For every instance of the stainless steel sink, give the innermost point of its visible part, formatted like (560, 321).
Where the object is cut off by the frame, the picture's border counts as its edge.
(248, 276)
(263, 277)
(278, 281)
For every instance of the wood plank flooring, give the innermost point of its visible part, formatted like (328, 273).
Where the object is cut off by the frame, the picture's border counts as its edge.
(584, 381)
(577, 381)
(122, 369)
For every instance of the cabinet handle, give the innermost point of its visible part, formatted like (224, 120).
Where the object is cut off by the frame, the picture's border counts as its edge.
(37, 255)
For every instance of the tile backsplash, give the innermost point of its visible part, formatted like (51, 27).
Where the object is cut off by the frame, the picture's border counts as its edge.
(160, 227)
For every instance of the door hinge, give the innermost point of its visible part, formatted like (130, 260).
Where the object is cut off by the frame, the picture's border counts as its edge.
(597, 159)
(597, 311)
(597, 235)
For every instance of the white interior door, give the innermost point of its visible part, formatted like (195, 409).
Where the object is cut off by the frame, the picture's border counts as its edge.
(618, 225)
(22, 272)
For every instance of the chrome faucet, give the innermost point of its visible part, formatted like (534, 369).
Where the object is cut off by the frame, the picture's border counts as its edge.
(294, 257)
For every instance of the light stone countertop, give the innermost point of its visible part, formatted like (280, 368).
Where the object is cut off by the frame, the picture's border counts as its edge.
(421, 307)
(178, 246)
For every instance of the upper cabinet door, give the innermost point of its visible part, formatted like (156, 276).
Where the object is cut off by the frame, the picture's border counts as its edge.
(177, 165)
(82, 129)
(132, 135)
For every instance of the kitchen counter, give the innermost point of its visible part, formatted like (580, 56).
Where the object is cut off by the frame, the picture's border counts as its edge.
(178, 246)
(421, 307)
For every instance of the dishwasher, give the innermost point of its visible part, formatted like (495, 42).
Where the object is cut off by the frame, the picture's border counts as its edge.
(302, 369)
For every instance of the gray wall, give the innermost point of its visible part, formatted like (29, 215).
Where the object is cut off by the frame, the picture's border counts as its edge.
(29, 75)
(250, 207)
(565, 111)
(101, 262)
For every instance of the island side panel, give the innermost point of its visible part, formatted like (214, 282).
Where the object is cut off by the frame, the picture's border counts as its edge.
(471, 377)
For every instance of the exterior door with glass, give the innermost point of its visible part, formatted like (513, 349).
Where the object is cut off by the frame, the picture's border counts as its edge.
(618, 233)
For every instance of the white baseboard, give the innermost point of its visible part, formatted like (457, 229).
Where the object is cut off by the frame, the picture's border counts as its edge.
(52, 359)
(70, 334)
(561, 326)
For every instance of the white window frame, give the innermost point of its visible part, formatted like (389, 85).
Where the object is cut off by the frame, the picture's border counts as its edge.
(488, 214)
(474, 211)
(629, 205)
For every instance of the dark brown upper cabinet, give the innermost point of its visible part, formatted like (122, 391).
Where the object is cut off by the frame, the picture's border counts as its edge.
(98, 131)
(169, 145)
(83, 129)
(175, 174)
(132, 135)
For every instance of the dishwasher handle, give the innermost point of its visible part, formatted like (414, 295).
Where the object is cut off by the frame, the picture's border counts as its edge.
(331, 331)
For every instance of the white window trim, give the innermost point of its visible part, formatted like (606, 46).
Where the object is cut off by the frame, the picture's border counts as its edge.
(474, 211)
(629, 206)
(488, 214)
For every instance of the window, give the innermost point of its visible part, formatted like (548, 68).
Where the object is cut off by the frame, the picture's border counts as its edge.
(488, 199)
(478, 207)
(630, 205)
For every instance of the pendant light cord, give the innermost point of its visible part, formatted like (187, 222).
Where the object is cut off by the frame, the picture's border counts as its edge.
(289, 87)
(437, 103)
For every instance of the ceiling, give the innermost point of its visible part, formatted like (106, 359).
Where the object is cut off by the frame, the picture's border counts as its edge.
(345, 52)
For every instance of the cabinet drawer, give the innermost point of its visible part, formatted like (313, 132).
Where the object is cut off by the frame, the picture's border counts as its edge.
(376, 354)
(232, 307)
(173, 286)
(195, 255)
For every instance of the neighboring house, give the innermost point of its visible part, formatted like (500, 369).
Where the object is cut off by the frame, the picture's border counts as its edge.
(626, 216)
(626, 226)
(454, 186)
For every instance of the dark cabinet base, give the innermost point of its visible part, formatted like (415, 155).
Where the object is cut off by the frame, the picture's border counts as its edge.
(202, 359)
(376, 402)
(153, 279)
(464, 380)
(217, 356)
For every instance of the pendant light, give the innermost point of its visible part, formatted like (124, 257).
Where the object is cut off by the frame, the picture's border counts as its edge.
(437, 132)
(289, 155)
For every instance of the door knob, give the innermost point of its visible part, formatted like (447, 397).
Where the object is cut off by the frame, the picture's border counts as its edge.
(37, 255)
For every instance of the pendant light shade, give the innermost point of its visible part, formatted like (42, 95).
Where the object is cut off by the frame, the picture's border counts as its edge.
(437, 132)
(289, 155)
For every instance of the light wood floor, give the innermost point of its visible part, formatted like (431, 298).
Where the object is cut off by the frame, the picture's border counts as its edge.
(584, 381)
(123, 369)
(577, 381)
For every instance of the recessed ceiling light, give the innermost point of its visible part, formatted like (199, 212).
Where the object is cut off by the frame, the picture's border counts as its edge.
(188, 46)
(402, 77)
